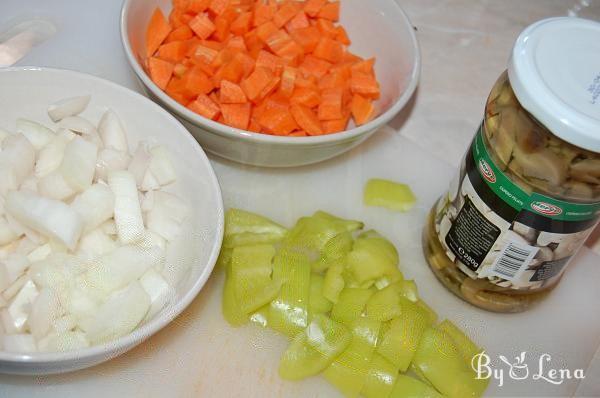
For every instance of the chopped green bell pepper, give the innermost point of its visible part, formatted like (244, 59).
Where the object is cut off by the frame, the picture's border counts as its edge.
(372, 258)
(380, 379)
(465, 345)
(409, 387)
(334, 282)
(317, 303)
(350, 304)
(245, 228)
(314, 349)
(349, 371)
(389, 194)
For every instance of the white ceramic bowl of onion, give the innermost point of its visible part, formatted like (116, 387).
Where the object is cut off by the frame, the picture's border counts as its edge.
(119, 258)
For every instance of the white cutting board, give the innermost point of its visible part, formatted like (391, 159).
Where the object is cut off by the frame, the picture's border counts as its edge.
(465, 44)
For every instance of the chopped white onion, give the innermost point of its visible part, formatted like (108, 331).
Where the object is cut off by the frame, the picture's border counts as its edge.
(13, 289)
(128, 213)
(50, 157)
(139, 163)
(20, 306)
(120, 314)
(110, 159)
(95, 205)
(68, 107)
(161, 166)
(157, 289)
(55, 186)
(112, 132)
(94, 244)
(66, 341)
(40, 253)
(44, 310)
(36, 133)
(79, 163)
(65, 323)
(19, 343)
(7, 234)
(47, 216)
(17, 155)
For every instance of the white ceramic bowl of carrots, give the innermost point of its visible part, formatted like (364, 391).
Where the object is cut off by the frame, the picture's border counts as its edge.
(377, 29)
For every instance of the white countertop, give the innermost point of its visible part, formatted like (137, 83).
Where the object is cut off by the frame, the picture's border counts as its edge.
(465, 46)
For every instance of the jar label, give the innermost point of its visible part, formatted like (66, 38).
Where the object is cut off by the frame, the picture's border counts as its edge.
(492, 228)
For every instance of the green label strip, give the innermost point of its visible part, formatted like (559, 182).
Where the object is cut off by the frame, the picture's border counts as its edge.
(517, 198)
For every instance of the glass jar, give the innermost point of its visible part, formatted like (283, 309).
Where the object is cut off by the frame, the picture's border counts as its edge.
(526, 197)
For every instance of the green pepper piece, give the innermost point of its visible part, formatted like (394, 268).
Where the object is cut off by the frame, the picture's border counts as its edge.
(349, 371)
(349, 225)
(432, 315)
(261, 316)
(245, 228)
(400, 342)
(389, 194)
(288, 313)
(224, 259)
(229, 305)
(465, 345)
(372, 258)
(334, 283)
(317, 303)
(409, 387)
(380, 379)
(350, 304)
(336, 249)
(251, 268)
(442, 363)
(385, 303)
(408, 289)
(314, 349)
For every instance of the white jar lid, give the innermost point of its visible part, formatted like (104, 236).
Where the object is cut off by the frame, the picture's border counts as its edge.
(554, 71)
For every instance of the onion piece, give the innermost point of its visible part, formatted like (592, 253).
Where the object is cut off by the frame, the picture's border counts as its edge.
(7, 234)
(166, 215)
(149, 182)
(36, 133)
(15, 265)
(157, 289)
(95, 205)
(19, 343)
(20, 306)
(50, 157)
(110, 159)
(95, 244)
(47, 216)
(66, 341)
(128, 213)
(18, 155)
(120, 314)
(139, 163)
(68, 107)
(161, 166)
(13, 289)
(55, 186)
(65, 323)
(79, 164)
(112, 132)
(45, 309)
(40, 253)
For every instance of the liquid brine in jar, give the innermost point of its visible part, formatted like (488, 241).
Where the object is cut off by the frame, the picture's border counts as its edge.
(527, 194)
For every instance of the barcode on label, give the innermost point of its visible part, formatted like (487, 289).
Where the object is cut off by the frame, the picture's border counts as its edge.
(512, 259)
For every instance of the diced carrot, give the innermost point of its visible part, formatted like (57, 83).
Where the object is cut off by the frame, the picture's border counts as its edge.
(256, 82)
(306, 82)
(206, 54)
(241, 25)
(307, 38)
(306, 96)
(278, 121)
(335, 126)
(231, 93)
(265, 30)
(175, 18)
(362, 109)
(314, 66)
(254, 125)
(327, 28)
(333, 79)
(269, 88)
(263, 13)
(236, 115)
(232, 71)
(221, 32)
(352, 58)
(218, 6)
(285, 13)
(237, 43)
(329, 50)
(246, 62)
(181, 4)
(215, 45)
(331, 104)
(365, 66)
(312, 7)
(197, 82)
(173, 51)
(202, 25)
(179, 70)
(298, 133)
(306, 119)
(291, 52)
(176, 87)
(288, 81)
(204, 106)
(342, 36)
(197, 6)
(181, 33)
(160, 71)
(298, 22)
(275, 101)
(330, 11)
(253, 43)
(364, 84)
(157, 32)
(267, 60)
(278, 40)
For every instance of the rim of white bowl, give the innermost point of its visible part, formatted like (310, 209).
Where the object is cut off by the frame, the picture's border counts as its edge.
(230, 132)
(119, 346)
